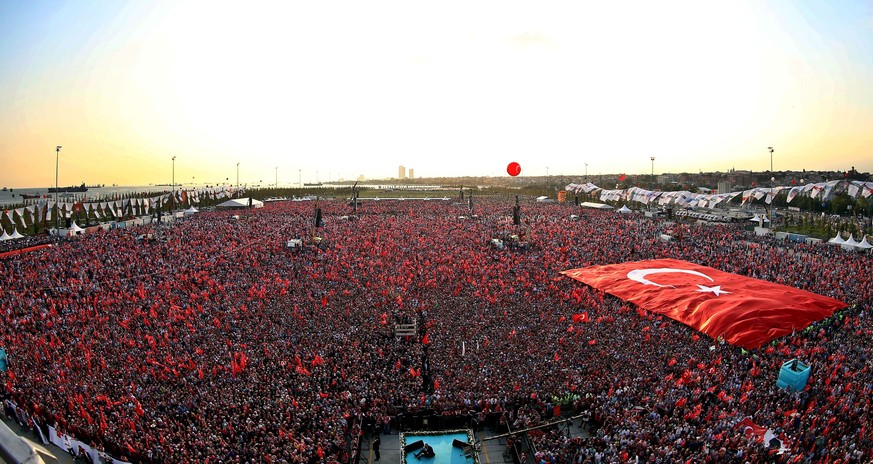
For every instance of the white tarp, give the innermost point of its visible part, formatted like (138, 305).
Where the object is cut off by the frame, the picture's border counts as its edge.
(240, 203)
(589, 204)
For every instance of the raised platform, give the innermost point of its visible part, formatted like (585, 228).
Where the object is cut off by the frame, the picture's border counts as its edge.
(793, 376)
(442, 444)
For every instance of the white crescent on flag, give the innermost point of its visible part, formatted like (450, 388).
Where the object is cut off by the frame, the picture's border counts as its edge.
(639, 275)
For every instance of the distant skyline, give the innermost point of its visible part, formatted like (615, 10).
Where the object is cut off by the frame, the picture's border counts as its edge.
(323, 90)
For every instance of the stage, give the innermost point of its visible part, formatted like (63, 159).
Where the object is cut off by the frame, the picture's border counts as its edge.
(441, 442)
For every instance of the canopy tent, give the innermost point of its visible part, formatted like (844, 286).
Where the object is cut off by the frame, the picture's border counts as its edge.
(850, 244)
(4, 237)
(240, 203)
(838, 240)
(191, 210)
(73, 230)
(624, 210)
(15, 234)
(758, 218)
(864, 245)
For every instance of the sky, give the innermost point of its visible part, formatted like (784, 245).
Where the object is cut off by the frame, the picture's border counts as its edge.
(318, 91)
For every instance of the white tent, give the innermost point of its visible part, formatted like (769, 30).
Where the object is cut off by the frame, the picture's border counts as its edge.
(4, 237)
(239, 203)
(15, 234)
(849, 244)
(191, 211)
(864, 245)
(838, 240)
(624, 209)
(73, 230)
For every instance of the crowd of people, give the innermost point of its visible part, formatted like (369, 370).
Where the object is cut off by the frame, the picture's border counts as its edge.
(218, 343)
(24, 242)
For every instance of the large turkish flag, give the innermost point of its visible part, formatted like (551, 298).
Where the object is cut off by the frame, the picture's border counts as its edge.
(747, 312)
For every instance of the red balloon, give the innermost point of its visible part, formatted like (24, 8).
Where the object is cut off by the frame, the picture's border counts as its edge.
(513, 169)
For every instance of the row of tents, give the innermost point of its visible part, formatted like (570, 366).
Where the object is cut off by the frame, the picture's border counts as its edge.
(15, 235)
(74, 229)
(851, 244)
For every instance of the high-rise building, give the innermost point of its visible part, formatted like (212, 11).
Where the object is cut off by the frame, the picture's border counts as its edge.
(401, 172)
(411, 173)
(723, 187)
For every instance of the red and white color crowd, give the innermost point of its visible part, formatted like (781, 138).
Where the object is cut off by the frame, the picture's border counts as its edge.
(223, 345)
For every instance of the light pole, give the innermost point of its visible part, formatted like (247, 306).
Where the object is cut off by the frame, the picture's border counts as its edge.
(277, 177)
(300, 177)
(237, 176)
(653, 165)
(771, 158)
(586, 172)
(57, 209)
(173, 196)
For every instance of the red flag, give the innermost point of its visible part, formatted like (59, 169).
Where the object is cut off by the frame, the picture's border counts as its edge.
(750, 428)
(425, 340)
(581, 317)
(747, 312)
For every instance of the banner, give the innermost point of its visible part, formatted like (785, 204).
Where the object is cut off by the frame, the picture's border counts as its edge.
(747, 312)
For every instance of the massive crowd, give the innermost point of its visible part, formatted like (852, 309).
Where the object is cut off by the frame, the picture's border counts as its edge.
(217, 343)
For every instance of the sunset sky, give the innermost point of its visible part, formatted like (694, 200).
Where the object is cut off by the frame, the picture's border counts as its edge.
(340, 89)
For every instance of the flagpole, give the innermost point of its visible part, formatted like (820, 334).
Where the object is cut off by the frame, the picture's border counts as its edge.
(173, 187)
(57, 211)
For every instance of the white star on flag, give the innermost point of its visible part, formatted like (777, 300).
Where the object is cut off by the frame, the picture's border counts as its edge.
(717, 289)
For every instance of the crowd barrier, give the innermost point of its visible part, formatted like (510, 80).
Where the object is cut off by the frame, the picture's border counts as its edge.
(66, 442)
